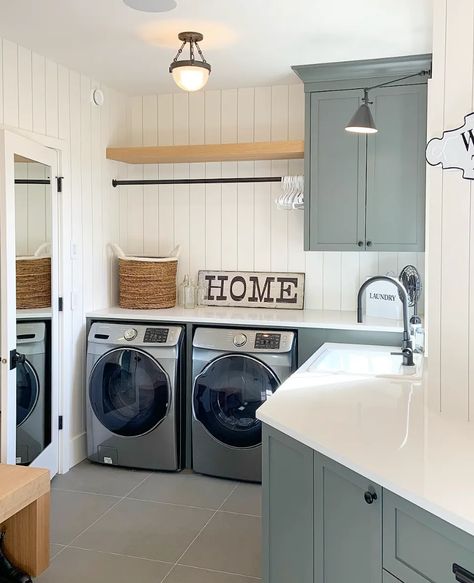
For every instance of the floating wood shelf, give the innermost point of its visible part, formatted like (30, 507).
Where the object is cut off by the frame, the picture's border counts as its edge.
(288, 150)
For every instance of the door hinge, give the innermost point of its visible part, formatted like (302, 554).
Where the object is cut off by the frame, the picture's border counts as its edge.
(59, 180)
(60, 422)
(60, 304)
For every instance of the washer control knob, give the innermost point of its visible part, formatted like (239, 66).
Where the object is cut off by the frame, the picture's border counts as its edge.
(240, 340)
(130, 334)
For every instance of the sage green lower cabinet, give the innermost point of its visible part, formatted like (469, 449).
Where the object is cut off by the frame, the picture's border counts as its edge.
(421, 548)
(389, 578)
(287, 480)
(347, 525)
(324, 523)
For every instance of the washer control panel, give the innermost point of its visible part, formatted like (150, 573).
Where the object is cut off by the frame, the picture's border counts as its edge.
(156, 335)
(267, 341)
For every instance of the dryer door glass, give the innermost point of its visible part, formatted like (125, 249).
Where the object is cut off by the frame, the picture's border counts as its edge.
(129, 392)
(227, 394)
(27, 391)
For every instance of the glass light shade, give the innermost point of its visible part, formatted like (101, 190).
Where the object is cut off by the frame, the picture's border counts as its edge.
(362, 121)
(190, 77)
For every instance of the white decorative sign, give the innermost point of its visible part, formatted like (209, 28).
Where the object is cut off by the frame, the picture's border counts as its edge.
(252, 289)
(455, 149)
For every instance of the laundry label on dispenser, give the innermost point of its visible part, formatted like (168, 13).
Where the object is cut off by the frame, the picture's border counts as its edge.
(382, 301)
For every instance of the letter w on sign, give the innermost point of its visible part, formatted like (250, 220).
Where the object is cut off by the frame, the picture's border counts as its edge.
(253, 289)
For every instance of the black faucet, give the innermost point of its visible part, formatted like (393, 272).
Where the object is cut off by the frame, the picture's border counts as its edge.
(407, 347)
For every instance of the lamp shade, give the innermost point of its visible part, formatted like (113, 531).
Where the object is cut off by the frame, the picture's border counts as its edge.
(190, 75)
(362, 121)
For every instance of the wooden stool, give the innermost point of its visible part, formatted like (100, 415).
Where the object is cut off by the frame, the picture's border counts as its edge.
(24, 515)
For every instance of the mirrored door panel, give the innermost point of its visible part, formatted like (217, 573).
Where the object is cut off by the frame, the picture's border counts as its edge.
(29, 317)
(33, 269)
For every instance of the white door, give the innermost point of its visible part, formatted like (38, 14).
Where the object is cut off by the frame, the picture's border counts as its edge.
(29, 205)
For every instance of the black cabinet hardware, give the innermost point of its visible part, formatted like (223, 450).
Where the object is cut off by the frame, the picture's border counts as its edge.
(462, 575)
(370, 498)
(360, 243)
(369, 243)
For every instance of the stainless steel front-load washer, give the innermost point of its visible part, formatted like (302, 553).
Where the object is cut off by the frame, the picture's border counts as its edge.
(134, 395)
(234, 372)
(30, 391)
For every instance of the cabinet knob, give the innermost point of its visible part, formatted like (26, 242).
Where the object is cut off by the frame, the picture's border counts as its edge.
(369, 243)
(360, 243)
(370, 497)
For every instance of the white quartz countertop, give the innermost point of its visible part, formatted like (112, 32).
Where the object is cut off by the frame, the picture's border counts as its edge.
(34, 314)
(384, 430)
(331, 319)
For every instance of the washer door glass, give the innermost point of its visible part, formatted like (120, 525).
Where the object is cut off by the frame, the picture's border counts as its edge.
(129, 392)
(27, 391)
(227, 394)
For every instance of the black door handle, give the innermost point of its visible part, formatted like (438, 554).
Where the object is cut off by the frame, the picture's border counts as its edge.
(462, 575)
(370, 497)
(16, 358)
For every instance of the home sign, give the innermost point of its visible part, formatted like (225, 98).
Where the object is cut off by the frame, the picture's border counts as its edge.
(455, 149)
(253, 289)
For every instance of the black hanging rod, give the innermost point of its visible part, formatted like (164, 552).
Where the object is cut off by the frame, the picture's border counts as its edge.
(32, 181)
(116, 183)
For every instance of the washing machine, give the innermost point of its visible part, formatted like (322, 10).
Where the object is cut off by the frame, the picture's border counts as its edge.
(134, 383)
(30, 391)
(234, 372)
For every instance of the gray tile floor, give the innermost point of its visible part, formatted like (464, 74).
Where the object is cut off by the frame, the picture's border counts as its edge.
(112, 524)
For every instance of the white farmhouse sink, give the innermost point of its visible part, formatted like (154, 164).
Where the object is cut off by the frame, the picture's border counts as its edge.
(360, 359)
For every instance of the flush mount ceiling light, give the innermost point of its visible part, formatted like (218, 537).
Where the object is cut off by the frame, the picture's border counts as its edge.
(362, 121)
(190, 74)
(151, 5)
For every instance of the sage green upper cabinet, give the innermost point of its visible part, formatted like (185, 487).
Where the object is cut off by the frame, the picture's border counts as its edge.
(395, 216)
(337, 170)
(365, 192)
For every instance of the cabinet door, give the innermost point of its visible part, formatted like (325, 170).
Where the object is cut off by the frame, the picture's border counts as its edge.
(396, 170)
(287, 513)
(348, 528)
(335, 174)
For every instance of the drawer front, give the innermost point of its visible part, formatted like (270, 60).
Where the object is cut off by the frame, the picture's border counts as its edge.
(419, 547)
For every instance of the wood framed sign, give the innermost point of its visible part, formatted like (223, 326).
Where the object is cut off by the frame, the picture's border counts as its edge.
(455, 149)
(253, 289)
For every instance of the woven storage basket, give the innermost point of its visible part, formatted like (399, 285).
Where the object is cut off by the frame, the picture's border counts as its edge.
(147, 282)
(33, 282)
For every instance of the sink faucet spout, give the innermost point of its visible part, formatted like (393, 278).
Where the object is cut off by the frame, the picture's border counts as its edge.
(407, 348)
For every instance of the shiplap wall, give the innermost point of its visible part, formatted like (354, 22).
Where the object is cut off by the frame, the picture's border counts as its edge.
(451, 218)
(32, 209)
(233, 226)
(39, 96)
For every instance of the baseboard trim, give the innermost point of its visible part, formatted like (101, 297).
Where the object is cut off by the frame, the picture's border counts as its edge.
(78, 449)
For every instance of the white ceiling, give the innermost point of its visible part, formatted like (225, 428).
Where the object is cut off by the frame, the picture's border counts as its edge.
(247, 42)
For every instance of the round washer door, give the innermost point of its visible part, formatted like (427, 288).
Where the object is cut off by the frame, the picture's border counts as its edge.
(227, 394)
(27, 391)
(129, 392)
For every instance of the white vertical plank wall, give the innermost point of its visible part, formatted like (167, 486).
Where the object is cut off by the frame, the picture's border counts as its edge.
(37, 95)
(234, 226)
(450, 257)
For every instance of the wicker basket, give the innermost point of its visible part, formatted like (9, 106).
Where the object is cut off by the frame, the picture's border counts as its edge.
(33, 282)
(147, 282)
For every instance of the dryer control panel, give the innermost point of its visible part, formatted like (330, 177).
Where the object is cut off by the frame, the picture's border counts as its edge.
(267, 340)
